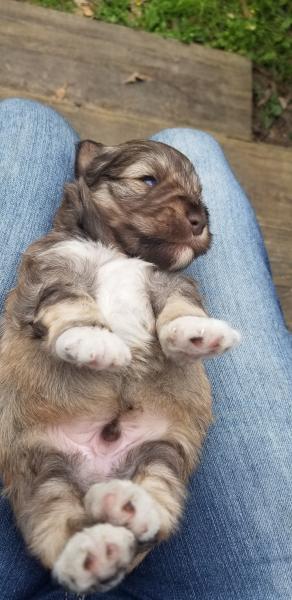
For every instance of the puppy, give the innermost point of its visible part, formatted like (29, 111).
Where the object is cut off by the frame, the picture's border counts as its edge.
(104, 400)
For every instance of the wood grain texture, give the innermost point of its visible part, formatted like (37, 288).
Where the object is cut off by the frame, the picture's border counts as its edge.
(43, 50)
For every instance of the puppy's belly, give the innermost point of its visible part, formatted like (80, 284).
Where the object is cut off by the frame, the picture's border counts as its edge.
(104, 443)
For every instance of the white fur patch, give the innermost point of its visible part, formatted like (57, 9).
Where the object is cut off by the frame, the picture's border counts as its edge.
(184, 256)
(78, 251)
(98, 553)
(121, 289)
(123, 300)
(197, 337)
(94, 347)
(125, 503)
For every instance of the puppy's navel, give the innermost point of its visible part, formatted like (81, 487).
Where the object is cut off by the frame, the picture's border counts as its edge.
(112, 431)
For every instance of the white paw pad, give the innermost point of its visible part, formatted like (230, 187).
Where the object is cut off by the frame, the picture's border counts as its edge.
(197, 337)
(95, 559)
(124, 503)
(94, 347)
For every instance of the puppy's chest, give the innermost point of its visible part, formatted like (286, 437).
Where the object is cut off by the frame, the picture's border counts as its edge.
(124, 302)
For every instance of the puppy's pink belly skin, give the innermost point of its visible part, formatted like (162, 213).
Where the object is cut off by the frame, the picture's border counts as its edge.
(100, 456)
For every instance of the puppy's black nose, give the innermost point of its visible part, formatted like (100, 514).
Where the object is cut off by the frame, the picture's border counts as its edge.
(198, 222)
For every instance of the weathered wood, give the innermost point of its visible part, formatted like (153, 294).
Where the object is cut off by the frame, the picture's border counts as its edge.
(43, 50)
(264, 171)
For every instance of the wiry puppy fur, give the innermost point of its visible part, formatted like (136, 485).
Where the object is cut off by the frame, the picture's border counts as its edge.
(104, 400)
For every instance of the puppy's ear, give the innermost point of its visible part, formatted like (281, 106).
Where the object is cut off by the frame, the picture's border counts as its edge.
(86, 152)
(77, 213)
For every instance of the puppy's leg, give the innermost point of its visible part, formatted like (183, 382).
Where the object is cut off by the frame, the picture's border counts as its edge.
(184, 329)
(48, 504)
(150, 501)
(46, 498)
(186, 332)
(73, 331)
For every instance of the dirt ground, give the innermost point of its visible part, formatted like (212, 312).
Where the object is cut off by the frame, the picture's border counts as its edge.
(272, 109)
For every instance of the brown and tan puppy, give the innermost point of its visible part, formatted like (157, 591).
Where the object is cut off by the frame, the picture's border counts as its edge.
(104, 400)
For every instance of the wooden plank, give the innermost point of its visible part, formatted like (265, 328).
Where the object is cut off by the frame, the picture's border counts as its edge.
(264, 171)
(41, 50)
(107, 126)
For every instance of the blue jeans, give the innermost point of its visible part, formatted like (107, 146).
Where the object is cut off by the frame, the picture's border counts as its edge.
(235, 542)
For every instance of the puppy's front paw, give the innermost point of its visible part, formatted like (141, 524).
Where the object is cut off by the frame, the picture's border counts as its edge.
(197, 337)
(95, 559)
(93, 347)
(122, 502)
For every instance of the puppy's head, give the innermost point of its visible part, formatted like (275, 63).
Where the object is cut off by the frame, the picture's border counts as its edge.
(149, 197)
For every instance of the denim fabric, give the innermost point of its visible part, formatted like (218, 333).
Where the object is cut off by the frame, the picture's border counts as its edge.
(235, 539)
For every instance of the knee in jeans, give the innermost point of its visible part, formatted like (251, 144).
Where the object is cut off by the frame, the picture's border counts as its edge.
(185, 139)
(34, 113)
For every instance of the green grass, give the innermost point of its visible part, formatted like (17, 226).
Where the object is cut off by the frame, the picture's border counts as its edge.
(260, 29)
(66, 5)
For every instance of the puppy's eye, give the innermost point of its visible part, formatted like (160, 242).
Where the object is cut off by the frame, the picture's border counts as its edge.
(149, 180)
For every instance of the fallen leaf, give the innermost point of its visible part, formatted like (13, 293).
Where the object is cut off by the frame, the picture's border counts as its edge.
(283, 101)
(87, 11)
(60, 93)
(137, 78)
(84, 8)
(265, 97)
(136, 8)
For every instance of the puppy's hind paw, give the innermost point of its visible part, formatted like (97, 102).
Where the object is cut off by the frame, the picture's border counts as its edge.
(95, 559)
(123, 502)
